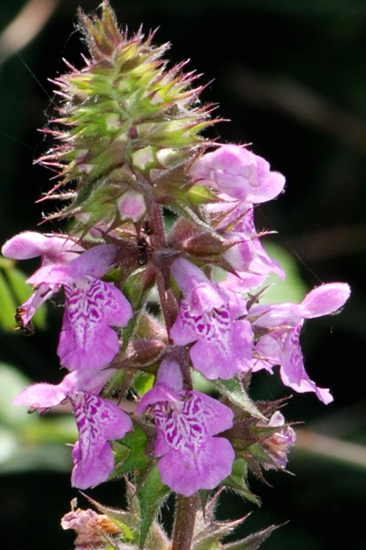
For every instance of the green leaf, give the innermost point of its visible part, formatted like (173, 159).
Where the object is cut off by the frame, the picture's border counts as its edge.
(130, 453)
(151, 495)
(9, 447)
(52, 430)
(234, 390)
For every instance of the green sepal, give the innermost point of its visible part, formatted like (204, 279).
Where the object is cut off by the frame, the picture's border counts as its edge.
(252, 542)
(199, 194)
(142, 353)
(130, 518)
(115, 382)
(99, 203)
(196, 241)
(172, 186)
(257, 452)
(188, 213)
(138, 286)
(125, 108)
(237, 481)
(126, 520)
(208, 531)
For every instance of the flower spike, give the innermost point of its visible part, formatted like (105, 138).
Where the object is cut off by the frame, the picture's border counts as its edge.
(164, 280)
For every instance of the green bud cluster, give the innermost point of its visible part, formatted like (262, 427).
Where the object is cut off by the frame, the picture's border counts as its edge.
(127, 121)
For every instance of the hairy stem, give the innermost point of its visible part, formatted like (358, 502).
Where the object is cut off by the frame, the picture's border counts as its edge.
(185, 516)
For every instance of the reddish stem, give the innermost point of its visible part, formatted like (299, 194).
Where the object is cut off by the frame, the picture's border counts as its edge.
(185, 516)
(168, 302)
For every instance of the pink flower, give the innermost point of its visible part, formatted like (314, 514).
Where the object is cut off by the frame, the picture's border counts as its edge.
(282, 324)
(98, 422)
(186, 421)
(92, 306)
(209, 316)
(239, 173)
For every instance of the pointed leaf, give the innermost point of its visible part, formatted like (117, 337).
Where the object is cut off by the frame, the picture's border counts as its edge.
(234, 390)
(130, 453)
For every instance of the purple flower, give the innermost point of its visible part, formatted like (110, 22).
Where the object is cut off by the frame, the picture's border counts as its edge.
(92, 306)
(186, 421)
(87, 339)
(210, 317)
(282, 324)
(98, 422)
(239, 173)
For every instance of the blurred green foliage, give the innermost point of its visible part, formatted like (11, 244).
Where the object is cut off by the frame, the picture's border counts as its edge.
(30, 442)
(13, 292)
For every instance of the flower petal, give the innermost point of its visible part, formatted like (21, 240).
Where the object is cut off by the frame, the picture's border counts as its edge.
(97, 421)
(25, 245)
(94, 468)
(41, 396)
(292, 370)
(325, 299)
(192, 458)
(223, 347)
(86, 339)
(131, 206)
(30, 244)
(94, 262)
(186, 473)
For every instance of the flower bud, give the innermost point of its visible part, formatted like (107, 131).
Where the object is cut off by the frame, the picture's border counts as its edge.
(131, 206)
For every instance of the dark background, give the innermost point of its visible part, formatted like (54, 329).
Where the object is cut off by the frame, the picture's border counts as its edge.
(291, 77)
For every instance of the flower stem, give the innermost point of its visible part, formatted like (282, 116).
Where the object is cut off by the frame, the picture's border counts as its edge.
(167, 300)
(185, 516)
